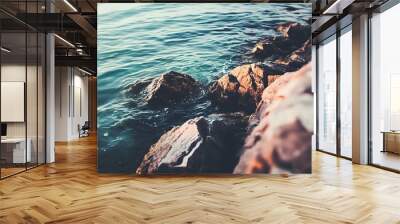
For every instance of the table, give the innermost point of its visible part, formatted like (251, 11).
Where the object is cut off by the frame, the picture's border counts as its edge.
(391, 141)
(13, 150)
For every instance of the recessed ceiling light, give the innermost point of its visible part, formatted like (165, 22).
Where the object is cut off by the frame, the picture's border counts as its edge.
(64, 40)
(5, 50)
(84, 71)
(70, 5)
(337, 7)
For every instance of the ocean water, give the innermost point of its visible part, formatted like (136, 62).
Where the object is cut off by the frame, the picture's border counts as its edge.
(141, 41)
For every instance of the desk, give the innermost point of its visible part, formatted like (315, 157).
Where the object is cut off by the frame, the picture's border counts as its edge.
(391, 141)
(14, 150)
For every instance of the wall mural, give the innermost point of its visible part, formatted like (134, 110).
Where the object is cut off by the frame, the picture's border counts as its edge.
(204, 88)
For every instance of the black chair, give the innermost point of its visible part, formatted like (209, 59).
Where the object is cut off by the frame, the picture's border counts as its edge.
(84, 130)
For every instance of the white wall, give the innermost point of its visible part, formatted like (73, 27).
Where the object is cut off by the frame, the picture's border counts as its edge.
(12, 73)
(62, 81)
(80, 111)
(16, 73)
(70, 84)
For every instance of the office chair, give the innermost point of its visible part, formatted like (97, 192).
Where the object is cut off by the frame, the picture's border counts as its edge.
(84, 130)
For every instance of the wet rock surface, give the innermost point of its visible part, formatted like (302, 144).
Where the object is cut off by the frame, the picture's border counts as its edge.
(280, 141)
(271, 46)
(293, 37)
(295, 32)
(166, 89)
(200, 145)
(276, 91)
(296, 59)
(242, 87)
(138, 87)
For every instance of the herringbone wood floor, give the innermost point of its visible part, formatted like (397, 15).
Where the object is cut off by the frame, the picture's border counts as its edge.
(71, 191)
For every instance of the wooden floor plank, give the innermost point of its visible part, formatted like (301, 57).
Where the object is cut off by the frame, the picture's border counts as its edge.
(71, 191)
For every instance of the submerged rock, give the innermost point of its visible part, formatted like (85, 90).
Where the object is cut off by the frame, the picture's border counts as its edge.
(280, 142)
(168, 88)
(200, 145)
(241, 89)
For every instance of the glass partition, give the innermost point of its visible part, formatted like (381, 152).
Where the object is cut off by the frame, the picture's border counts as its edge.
(13, 108)
(22, 77)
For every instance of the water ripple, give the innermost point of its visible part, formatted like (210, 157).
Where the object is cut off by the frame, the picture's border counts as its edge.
(140, 41)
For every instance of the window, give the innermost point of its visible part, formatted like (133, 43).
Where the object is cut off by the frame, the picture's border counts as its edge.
(346, 92)
(327, 95)
(385, 89)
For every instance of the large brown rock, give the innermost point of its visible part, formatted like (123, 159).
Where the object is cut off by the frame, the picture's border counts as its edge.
(274, 92)
(271, 46)
(242, 88)
(296, 59)
(295, 32)
(138, 86)
(168, 88)
(280, 142)
(200, 145)
(292, 37)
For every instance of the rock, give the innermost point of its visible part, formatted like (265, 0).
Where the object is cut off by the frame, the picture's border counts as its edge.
(241, 89)
(200, 145)
(272, 78)
(270, 47)
(168, 88)
(280, 142)
(138, 86)
(171, 87)
(274, 91)
(295, 32)
(296, 59)
(293, 36)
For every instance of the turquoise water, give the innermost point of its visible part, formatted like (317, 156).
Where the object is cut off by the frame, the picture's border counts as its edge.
(139, 41)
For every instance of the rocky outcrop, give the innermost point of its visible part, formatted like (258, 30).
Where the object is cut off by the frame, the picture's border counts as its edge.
(295, 32)
(292, 38)
(171, 87)
(168, 88)
(200, 145)
(271, 46)
(241, 89)
(296, 59)
(276, 89)
(280, 142)
(277, 136)
(138, 86)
